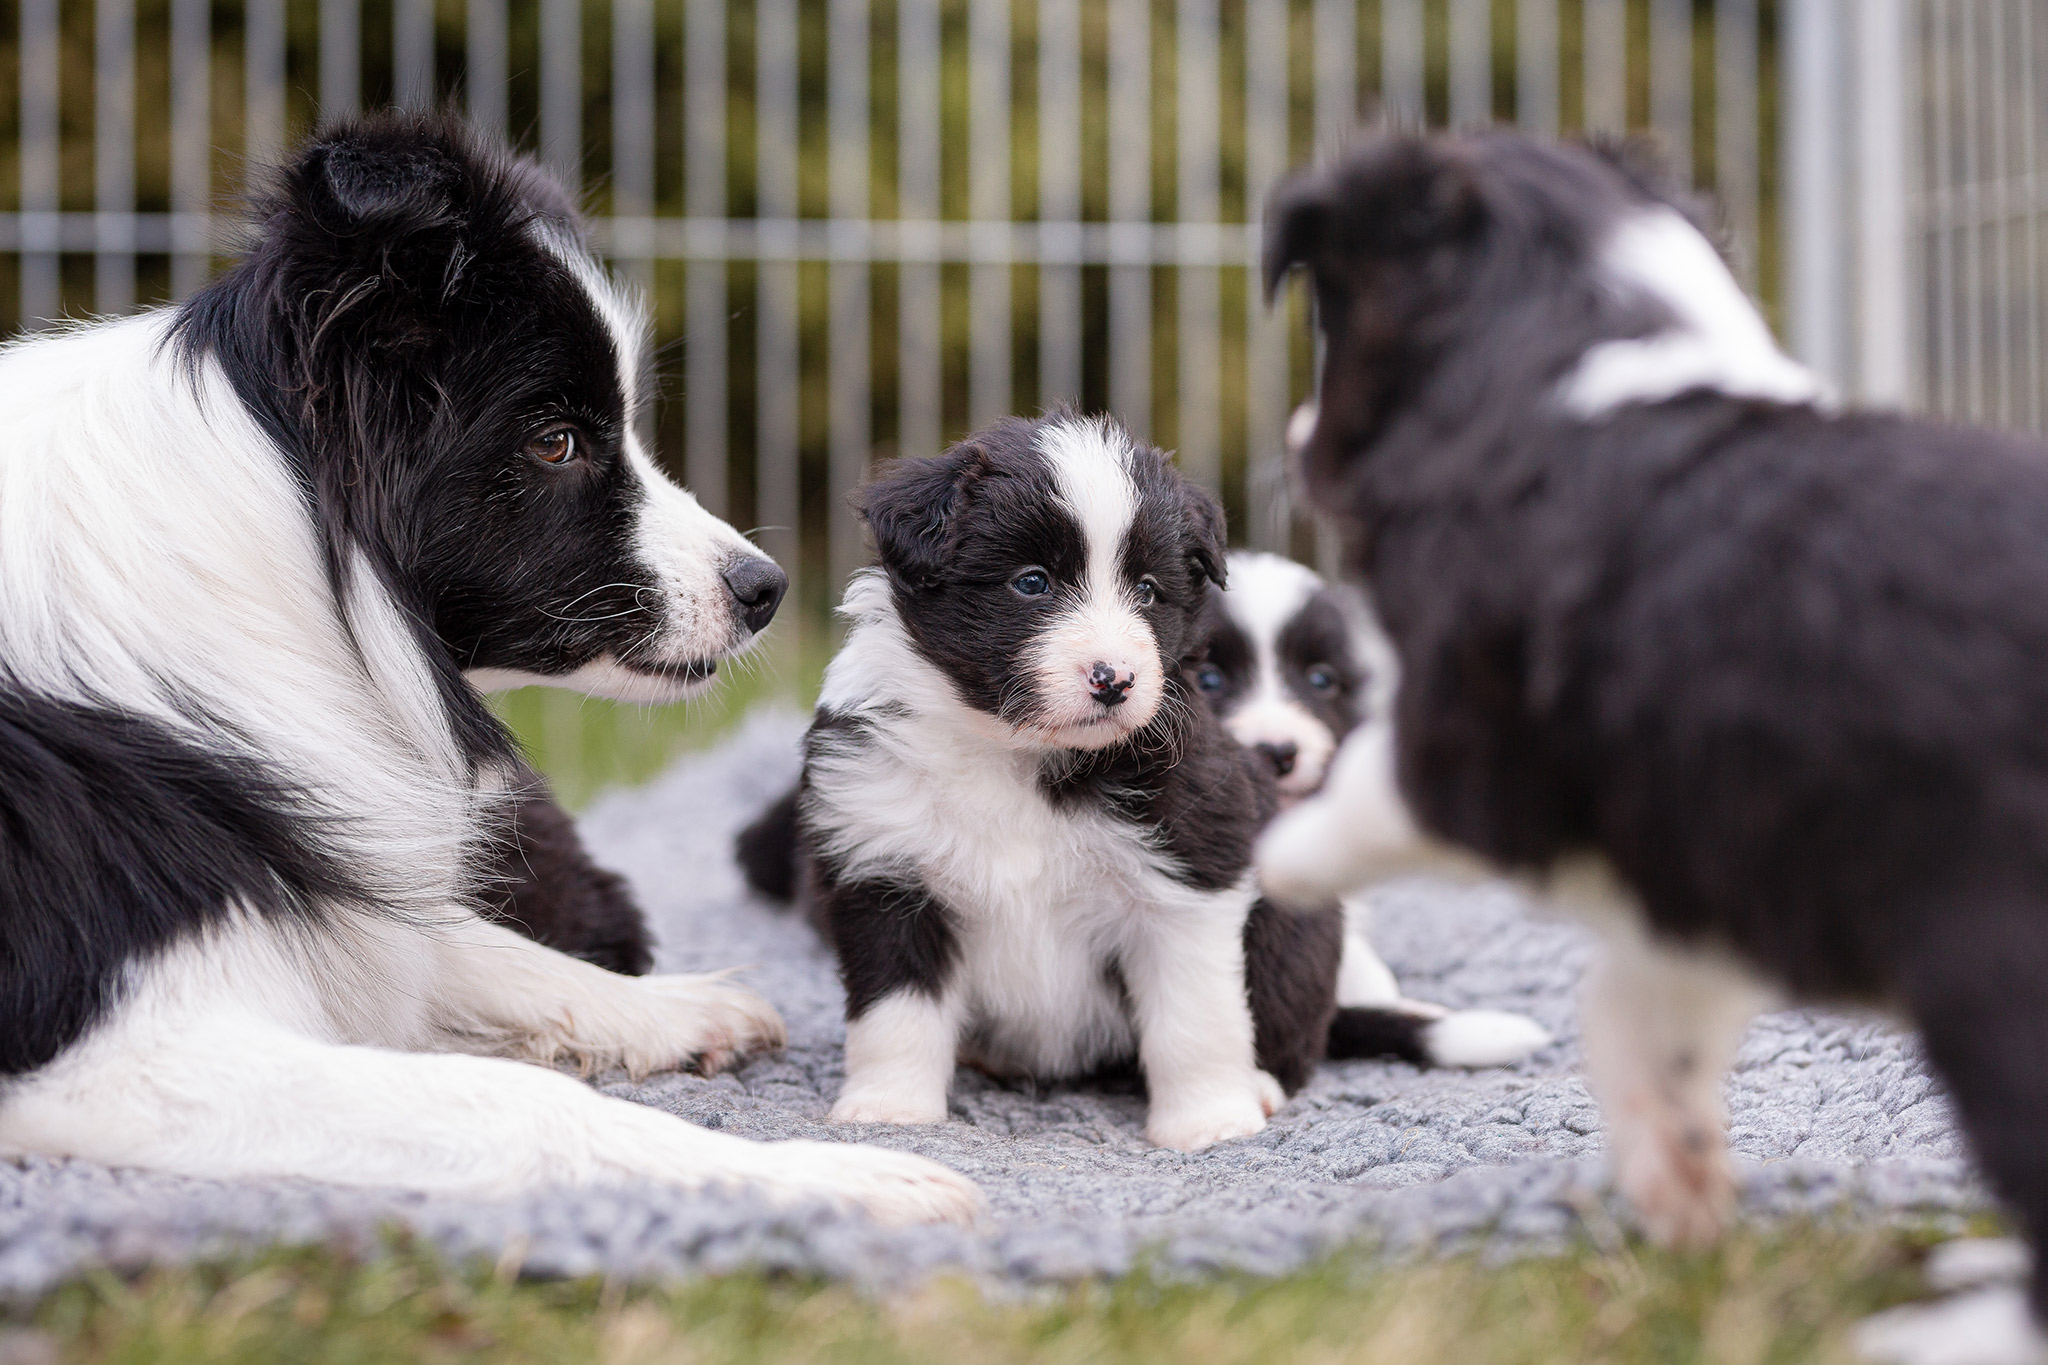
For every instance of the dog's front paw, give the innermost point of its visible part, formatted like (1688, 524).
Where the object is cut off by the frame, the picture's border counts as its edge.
(1676, 1177)
(1215, 1114)
(875, 1104)
(895, 1188)
(707, 1020)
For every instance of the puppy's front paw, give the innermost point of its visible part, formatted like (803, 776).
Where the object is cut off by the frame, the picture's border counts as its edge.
(892, 1187)
(708, 1018)
(1676, 1177)
(1214, 1114)
(874, 1104)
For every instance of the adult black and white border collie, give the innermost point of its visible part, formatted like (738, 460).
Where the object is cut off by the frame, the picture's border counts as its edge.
(1028, 841)
(1292, 665)
(256, 556)
(1669, 627)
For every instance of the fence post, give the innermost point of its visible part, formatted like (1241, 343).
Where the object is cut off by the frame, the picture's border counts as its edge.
(484, 76)
(988, 196)
(1059, 198)
(850, 366)
(706, 460)
(920, 366)
(341, 58)
(1816, 280)
(113, 156)
(1266, 342)
(777, 394)
(40, 281)
(1197, 93)
(191, 143)
(1883, 158)
(1471, 63)
(1130, 209)
(561, 89)
(1536, 83)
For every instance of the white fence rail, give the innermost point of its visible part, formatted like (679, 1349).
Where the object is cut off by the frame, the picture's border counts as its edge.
(869, 225)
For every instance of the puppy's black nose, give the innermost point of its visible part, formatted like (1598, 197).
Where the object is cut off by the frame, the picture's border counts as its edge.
(1281, 756)
(757, 585)
(1107, 685)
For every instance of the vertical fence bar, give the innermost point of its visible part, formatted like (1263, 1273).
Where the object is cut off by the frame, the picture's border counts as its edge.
(988, 196)
(1059, 197)
(1736, 129)
(1883, 356)
(1671, 81)
(1999, 185)
(1471, 63)
(1266, 379)
(1604, 43)
(487, 61)
(777, 454)
(2031, 114)
(1970, 92)
(706, 459)
(561, 88)
(1536, 82)
(1816, 283)
(851, 367)
(1336, 49)
(1197, 90)
(412, 53)
(191, 142)
(920, 366)
(262, 83)
(633, 149)
(1401, 63)
(113, 156)
(1941, 202)
(40, 301)
(1130, 209)
(341, 58)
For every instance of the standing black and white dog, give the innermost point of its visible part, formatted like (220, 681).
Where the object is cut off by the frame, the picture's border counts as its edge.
(1767, 677)
(256, 555)
(1028, 841)
(1292, 666)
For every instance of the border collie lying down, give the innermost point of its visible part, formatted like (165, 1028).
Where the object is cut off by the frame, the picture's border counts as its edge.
(1291, 665)
(254, 554)
(1028, 842)
(1768, 677)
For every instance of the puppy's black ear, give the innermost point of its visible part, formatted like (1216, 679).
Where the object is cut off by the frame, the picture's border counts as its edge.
(1207, 536)
(1297, 218)
(912, 509)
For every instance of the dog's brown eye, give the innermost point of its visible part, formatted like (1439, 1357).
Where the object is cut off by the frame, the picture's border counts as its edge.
(557, 445)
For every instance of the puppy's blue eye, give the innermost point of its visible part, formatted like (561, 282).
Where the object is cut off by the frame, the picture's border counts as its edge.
(1032, 583)
(1147, 591)
(1321, 679)
(1209, 678)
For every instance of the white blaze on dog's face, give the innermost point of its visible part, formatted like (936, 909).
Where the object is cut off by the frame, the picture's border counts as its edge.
(1291, 666)
(1054, 571)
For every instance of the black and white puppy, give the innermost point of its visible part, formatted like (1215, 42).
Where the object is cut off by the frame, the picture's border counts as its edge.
(256, 554)
(1028, 841)
(1765, 679)
(1292, 665)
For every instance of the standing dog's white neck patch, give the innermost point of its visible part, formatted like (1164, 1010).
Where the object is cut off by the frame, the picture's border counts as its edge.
(1717, 342)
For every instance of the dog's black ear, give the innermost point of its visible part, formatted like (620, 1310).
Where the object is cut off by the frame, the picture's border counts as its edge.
(912, 508)
(1297, 217)
(381, 183)
(1208, 538)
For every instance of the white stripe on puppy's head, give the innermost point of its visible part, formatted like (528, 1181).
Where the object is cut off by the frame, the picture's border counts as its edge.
(1053, 571)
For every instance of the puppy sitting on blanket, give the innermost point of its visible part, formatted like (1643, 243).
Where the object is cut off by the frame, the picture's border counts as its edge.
(1767, 678)
(1029, 844)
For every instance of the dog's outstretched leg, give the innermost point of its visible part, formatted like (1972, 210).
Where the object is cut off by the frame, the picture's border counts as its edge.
(217, 1090)
(1661, 1025)
(498, 992)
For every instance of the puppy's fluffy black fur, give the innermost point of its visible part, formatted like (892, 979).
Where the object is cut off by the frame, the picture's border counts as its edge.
(1782, 669)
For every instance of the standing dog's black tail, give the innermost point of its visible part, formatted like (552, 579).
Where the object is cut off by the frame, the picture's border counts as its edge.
(767, 850)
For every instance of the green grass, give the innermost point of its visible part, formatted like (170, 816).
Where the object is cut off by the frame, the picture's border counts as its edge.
(1787, 1296)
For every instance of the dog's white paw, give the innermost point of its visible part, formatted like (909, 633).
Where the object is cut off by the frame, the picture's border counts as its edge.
(1982, 1327)
(1214, 1114)
(879, 1105)
(658, 1023)
(892, 1187)
(715, 1018)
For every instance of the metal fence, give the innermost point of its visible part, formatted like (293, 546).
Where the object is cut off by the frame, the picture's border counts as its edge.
(869, 224)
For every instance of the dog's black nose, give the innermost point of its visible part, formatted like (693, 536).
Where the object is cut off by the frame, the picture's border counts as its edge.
(1281, 756)
(1108, 685)
(757, 585)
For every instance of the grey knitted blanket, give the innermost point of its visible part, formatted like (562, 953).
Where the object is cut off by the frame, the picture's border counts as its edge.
(1828, 1114)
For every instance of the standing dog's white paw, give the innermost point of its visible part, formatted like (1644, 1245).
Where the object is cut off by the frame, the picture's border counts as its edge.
(1673, 1169)
(891, 1187)
(879, 1105)
(1214, 1113)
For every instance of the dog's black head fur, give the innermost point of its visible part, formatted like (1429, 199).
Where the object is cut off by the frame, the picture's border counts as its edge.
(995, 576)
(420, 329)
